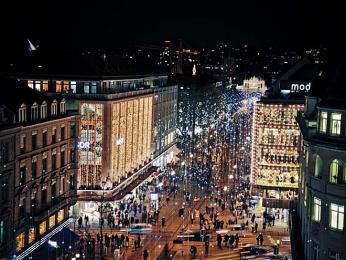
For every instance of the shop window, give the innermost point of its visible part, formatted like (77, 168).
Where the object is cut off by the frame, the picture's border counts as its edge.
(334, 171)
(38, 85)
(31, 235)
(316, 209)
(335, 124)
(60, 216)
(20, 242)
(31, 84)
(51, 221)
(336, 216)
(42, 227)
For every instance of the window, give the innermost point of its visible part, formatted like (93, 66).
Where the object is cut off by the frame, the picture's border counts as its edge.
(20, 242)
(336, 216)
(53, 160)
(44, 165)
(38, 85)
(4, 190)
(58, 86)
(22, 114)
(73, 87)
(335, 124)
(93, 88)
(60, 215)
(44, 138)
(21, 206)
(66, 86)
(62, 158)
(333, 171)
(31, 84)
(2, 232)
(34, 167)
(63, 106)
(53, 189)
(4, 153)
(34, 140)
(22, 144)
(73, 131)
(323, 122)
(42, 227)
(22, 173)
(54, 108)
(86, 87)
(44, 194)
(335, 255)
(62, 133)
(44, 110)
(45, 86)
(318, 167)
(316, 209)
(34, 112)
(53, 135)
(31, 235)
(51, 221)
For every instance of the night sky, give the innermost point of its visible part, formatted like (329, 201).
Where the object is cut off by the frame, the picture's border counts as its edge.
(109, 24)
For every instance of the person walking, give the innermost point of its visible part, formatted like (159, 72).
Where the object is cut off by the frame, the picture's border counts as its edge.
(260, 239)
(80, 222)
(206, 247)
(145, 254)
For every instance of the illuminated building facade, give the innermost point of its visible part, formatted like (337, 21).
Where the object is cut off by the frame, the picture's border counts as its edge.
(117, 147)
(44, 163)
(322, 192)
(275, 150)
(165, 124)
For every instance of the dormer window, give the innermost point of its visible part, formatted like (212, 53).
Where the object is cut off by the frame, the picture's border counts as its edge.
(54, 108)
(22, 113)
(44, 110)
(63, 106)
(34, 112)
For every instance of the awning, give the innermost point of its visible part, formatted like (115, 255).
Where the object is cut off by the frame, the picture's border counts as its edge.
(63, 239)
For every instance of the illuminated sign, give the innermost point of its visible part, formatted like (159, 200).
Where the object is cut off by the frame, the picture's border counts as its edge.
(287, 87)
(83, 145)
(296, 87)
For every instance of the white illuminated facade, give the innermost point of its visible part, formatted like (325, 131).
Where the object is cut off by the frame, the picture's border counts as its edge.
(275, 151)
(253, 84)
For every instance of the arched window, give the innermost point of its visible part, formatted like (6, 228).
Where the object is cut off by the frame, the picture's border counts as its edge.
(54, 108)
(334, 171)
(44, 110)
(22, 113)
(318, 167)
(63, 106)
(34, 111)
